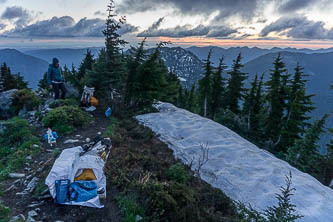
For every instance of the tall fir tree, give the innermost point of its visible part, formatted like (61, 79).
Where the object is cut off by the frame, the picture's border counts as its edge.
(172, 89)
(152, 80)
(235, 90)
(134, 60)
(299, 107)
(249, 102)
(86, 64)
(276, 98)
(11, 81)
(205, 87)
(191, 100)
(218, 90)
(304, 154)
(109, 73)
(257, 119)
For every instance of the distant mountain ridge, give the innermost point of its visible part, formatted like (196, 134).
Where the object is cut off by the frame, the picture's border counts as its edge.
(30, 67)
(67, 56)
(247, 53)
(185, 64)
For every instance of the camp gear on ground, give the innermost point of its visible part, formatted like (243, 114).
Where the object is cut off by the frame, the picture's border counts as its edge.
(86, 96)
(70, 164)
(62, 188)
(51, 137)
(81, 191)
(87, 174)
(93, 101)
(90, 109)
(55, 135)
(108, 112)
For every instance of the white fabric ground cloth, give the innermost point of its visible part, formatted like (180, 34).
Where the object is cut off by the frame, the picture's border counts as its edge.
(68, 164)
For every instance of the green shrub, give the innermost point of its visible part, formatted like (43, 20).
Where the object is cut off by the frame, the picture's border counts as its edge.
(25, 98)
(129, 208)
(16, 133)
(4, 212)
(64, 102)
(65, 119)
(177, 173)
(110, 130)
(16, 142)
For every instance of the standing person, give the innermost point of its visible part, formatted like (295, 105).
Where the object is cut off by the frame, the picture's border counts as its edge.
(55, 79)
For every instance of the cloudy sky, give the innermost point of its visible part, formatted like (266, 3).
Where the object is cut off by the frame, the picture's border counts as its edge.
(262, 23)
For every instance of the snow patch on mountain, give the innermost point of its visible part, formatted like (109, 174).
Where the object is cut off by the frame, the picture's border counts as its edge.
(240, 169)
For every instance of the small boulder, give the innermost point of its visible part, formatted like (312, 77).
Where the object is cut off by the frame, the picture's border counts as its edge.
(6, 102)
(16, 175)
(18, 218)
(31, 185)
(71, 90)
(71, 141)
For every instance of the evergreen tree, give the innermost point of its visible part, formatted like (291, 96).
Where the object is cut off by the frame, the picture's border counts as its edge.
(172, 89)
(235, 90)
(298, 109)
(328, 162)
(285, 210)
(248, 107)
(42, 84)
(182, 97)
(86, 64)
(8, 78)
(191, 100)
(11, 81)
(19, 81)
(304, 154)
(152, 80)
(218, 89)
(109, 73)
(276, 99)
(136, 58)
(205, 87)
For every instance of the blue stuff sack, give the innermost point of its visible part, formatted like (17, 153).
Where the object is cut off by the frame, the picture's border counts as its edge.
(108, 112)
(62, 191)
(55, 135)
(81, 191)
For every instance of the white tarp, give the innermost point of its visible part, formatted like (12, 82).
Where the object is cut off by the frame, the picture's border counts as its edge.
(69, 163)
(239, 168)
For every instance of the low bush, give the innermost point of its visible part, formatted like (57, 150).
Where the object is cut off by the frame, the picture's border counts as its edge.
(110, 130)
(24, 98)
(64, 102)
(130, 209)
(16, 143)
(4, 213)
(65, 119)
(177, 173)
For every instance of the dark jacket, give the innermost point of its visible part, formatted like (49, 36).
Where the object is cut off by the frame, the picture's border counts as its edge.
(54, 74)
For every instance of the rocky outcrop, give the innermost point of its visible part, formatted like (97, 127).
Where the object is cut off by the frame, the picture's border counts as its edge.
(5, 103)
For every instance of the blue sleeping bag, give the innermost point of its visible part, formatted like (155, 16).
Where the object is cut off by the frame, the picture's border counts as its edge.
(81, 191)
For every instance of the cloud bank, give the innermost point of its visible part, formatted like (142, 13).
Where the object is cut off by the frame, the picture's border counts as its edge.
(65, 27)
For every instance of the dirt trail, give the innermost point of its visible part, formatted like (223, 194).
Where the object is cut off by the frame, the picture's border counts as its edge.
(39, 201)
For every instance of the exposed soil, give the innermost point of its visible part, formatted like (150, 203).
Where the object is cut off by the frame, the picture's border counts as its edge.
(40, 167)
